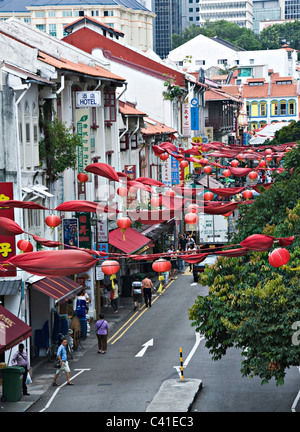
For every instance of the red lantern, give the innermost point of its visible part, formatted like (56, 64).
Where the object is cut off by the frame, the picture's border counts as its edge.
(82, 177)
(247, 194)
(234, 163)
(52, 221)
(194, 208)
(191, 218)
(122, 191)
(183, 164)
(268, 151)
(161, 265)
(25, 246)
(204, 148)
(203, 161)
(269, 158)
(170, 193)
(208, 196)
(207, 169)
(262, 163)
(156, 201)
(123, 223)
(279, 257)
(226, 173)
(164, 156)
(252, 175)
(110, 267)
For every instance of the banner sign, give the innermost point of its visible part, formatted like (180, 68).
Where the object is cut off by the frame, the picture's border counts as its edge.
(83, 131)
(7, 243)
(186, 120)
(84, 234)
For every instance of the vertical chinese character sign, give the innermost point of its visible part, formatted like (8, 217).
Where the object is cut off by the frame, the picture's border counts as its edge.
(83, 131)
(130, 170)
(186, 119)
(7, 243)
(84, 233)
(174, 171)
(166, 172)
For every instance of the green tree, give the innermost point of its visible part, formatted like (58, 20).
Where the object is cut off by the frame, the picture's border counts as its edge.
(252, 305)
(231, 32)
(58, 148)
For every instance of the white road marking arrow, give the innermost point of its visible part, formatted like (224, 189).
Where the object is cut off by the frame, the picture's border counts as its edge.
(145, 345)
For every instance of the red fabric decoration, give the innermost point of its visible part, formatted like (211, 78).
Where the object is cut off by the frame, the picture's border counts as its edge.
(54, 263)
(139, 185)
(220, 208)
(195, 258)
(21, 204)
(227, 192)
(258, 242)
(234, 252)
(9, 227)
(103, 170)
(87, 206)
(168, 145)
(285, 241)
(239, 172)
(45, 242)
(149, 181)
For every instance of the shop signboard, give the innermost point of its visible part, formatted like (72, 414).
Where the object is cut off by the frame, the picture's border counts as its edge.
(7, 243)
(84, 229)
(83, 131)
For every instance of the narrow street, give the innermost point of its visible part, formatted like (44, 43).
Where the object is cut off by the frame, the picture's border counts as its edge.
(144, 352)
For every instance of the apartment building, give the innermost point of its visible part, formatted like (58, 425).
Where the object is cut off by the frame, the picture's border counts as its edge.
(129, 17)
(235, 11)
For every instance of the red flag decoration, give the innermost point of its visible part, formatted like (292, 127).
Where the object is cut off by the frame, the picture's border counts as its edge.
(239, 172)
(285, 241)
(150, 181)
(86, 206)
(45, 242)
(258, 242)
(54, 263)
(22, 204)
(9, 227)
(227, 192)
(103, 170)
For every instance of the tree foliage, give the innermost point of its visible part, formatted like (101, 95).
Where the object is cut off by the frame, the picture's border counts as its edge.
(272, 37)
(58, 148)
(252, 305)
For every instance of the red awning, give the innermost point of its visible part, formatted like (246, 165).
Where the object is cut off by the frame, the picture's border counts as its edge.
(12, 330)
(133, 240)
(60, 288)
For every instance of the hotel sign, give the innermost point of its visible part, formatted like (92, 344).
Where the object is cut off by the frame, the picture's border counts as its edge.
(88, 99)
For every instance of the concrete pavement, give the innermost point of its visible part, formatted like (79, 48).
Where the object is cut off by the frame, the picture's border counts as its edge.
(175, 395)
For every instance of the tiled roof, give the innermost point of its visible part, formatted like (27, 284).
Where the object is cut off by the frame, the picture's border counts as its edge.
(14, 5)
(83, 68)
(255, 91)
(88, 40)
(128, 109)
(69, 27)
(213, 95)
(156, 128)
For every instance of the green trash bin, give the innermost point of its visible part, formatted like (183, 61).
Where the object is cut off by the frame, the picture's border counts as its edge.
(12, 383)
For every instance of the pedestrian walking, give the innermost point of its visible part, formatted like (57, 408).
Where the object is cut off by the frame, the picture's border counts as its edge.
(136, 292)
(114, 299)
(21, 359)
(173, 257)
(180, 261)
(148, 289)
(101, 329)
(64, 364)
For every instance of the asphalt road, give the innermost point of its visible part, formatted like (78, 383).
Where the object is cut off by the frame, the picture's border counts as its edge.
(130, 374)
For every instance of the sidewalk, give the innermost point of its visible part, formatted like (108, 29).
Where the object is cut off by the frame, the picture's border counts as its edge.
(166, 399)
(43, 371)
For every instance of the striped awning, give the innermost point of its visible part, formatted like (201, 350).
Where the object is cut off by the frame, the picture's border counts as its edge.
(60, 288)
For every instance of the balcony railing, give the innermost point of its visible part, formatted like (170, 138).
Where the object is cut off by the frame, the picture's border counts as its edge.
(219, 123)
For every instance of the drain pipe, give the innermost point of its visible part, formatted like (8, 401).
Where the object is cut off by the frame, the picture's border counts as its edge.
(62, 84)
